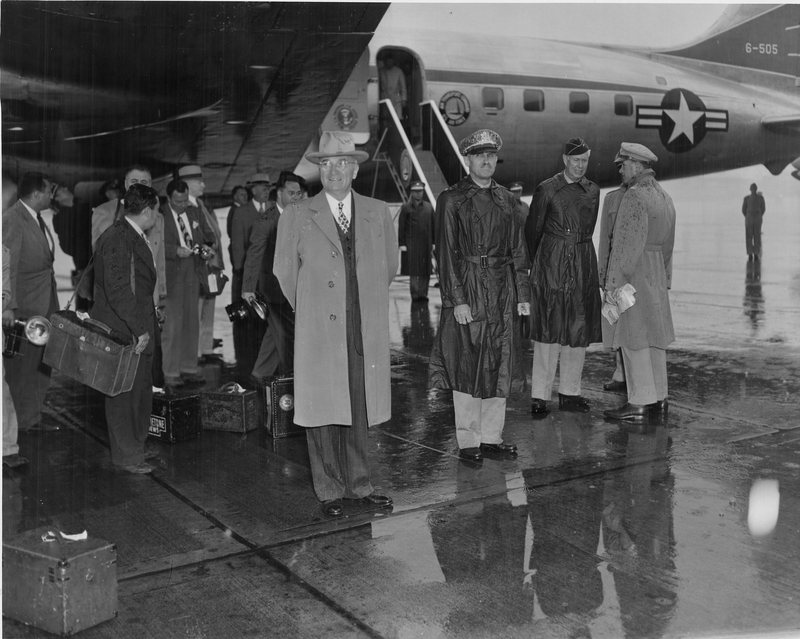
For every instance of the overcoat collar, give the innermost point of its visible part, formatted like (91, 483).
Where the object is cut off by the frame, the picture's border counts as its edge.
(560, 182)
(644, 176)
(323, 217)
(140, 247)
(468, 187)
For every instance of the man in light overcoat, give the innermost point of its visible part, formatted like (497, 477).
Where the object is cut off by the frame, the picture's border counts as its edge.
(339, 289)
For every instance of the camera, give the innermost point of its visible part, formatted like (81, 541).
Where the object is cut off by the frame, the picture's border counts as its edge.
(203, 251)
(238, 311)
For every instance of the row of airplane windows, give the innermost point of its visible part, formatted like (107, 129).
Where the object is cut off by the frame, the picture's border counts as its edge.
(533, 100)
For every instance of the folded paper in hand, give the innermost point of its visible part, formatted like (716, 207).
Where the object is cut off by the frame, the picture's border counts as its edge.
(625, 299)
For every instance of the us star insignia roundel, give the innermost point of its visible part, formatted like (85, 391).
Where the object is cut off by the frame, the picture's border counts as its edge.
(682, 120)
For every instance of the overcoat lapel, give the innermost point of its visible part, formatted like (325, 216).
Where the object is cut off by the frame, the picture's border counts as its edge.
(323, 218)
(364, 215)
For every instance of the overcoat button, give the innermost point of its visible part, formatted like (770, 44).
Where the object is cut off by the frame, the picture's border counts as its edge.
(333, 317)
(330, 284)
(333, 254)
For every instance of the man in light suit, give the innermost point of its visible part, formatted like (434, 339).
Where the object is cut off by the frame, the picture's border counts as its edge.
(33, 292)
(277, 348)
(339, 288)
(193, 176)
(125, 278)
(247, 333)
(184, 232)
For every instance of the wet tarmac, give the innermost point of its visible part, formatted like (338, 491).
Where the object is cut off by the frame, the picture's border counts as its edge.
(595, 530)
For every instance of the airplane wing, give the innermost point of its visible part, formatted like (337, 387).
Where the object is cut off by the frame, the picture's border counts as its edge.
(782, 123)
(238, 88)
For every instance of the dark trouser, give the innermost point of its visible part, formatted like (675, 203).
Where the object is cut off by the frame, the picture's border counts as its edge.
(419, 286)
(339, 464)
(277, 347)
(128, 417)
(752, 234)
(28, 380)
(248, 333)
(158, 370)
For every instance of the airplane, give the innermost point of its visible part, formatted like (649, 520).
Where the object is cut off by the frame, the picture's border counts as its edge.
(89, 88)
(246, 87)
(727, 100)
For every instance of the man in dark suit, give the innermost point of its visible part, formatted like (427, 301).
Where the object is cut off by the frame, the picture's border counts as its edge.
(125, 278)
(33, 292)
(184, 232)
(240, 195)
(247, 333)
(277, 348)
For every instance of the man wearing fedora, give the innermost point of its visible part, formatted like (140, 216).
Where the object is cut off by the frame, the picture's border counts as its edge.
(416, 233)
(565, 289)
(193, 176)
(483, 264)
(641, 255)
(335, 256)
(248, 333)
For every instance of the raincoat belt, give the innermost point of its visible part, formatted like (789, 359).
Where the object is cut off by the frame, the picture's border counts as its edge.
(578, 238)
(484, 261)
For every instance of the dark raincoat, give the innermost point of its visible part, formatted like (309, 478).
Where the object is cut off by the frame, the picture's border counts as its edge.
(481, 358)
(565, 291)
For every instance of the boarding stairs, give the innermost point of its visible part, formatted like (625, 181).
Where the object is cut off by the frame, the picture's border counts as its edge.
(437, 162)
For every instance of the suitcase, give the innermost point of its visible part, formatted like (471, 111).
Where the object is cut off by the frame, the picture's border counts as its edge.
(175, 418)
(90, 352)
(62, 587)
(224, 410)
(279, 406)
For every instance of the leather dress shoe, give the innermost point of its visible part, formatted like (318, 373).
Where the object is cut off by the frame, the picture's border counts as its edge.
(138, 469)
(661, 407)
(193, 378)
(615, 386)
(332, 507)
(628, 413)
(471, 454)
(539, 407)
(14, 461)
(373, 499)
(506, 449)
(572, 403)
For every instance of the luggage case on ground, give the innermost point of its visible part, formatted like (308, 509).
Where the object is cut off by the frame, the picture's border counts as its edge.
(175, 418)
(90, 352)
(228, 410)
(279, 406)
(60, 586)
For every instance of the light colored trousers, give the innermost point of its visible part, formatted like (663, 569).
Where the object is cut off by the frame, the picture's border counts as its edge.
(478, 421)
(646, 374)
(546, 361)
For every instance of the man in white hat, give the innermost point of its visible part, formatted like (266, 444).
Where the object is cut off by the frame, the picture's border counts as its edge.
(480, 248)
(416, 233)
(193, 176)
(247, 333)
(336, 254)
(641, 255)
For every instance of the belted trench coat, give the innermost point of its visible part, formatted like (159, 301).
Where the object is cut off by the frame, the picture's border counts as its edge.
(482, 262)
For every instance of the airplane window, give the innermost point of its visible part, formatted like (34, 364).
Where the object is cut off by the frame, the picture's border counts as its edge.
(493, 98)
(578, 102)
(533, 100)
(623, 105)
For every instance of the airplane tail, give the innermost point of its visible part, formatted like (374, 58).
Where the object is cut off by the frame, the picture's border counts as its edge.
(762, 37)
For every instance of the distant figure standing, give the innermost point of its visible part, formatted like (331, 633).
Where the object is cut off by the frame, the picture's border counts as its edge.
(753, 209)
(416, 233)
(393, 86)
(523, 208)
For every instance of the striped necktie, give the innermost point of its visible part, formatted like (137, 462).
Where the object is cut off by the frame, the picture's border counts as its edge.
(342, 219)
(186, 236)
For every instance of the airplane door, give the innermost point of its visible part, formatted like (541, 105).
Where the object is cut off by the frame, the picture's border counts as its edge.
(390, 60)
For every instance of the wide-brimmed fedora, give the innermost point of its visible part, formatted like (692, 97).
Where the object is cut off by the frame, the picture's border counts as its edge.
(335, 144)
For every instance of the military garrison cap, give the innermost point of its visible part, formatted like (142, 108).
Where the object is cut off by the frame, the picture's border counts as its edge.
(576, 146)
(481, 140)
(634, 151)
